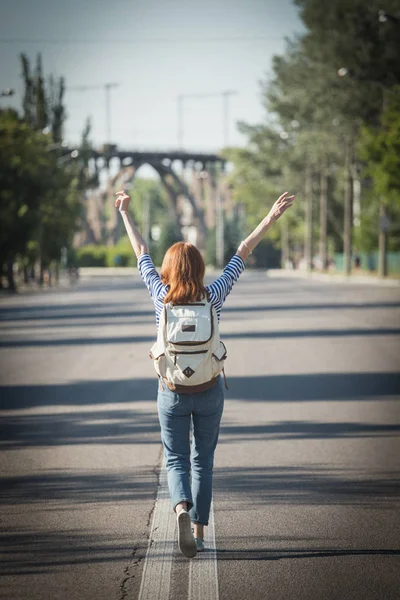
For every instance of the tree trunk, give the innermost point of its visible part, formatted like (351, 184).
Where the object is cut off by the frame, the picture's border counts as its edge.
(57, 272)
(323, 217)
(308, 250)
(383, 229)
(41, 273)
(10, 276)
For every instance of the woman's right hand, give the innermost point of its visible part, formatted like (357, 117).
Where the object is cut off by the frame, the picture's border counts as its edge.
(283, 203)
(122, 201)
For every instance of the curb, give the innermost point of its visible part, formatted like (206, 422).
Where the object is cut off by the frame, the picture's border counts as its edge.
(333, 278)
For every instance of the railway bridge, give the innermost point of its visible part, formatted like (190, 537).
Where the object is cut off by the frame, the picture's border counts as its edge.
(194, 182)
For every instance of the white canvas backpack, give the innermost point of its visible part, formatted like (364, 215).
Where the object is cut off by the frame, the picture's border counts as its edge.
(188, 354)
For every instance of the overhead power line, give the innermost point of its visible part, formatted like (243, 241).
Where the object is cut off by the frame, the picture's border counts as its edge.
(191, 40)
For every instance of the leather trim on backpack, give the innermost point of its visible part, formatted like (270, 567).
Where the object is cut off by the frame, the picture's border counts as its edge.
(191, 389)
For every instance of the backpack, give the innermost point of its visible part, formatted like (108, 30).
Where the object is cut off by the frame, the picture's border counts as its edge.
(188, 354)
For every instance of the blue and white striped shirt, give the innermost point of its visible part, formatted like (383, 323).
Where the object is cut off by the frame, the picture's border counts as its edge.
(218, 290)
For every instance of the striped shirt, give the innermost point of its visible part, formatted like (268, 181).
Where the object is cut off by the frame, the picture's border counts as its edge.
(218, 290)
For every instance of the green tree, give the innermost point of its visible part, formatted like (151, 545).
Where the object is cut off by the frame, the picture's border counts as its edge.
(380, 149)
(43, 103)
(319, 116)
(170, 234)
(26, 165)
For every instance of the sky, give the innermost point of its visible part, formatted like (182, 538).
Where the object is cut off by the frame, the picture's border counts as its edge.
(155, 50)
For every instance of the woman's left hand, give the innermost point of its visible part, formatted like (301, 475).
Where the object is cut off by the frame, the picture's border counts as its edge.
(122, 201)
(283, 203)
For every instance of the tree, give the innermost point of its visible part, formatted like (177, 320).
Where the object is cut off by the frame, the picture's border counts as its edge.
(43, 104)
(319, 116)
(170, 234)
(23, 180)
(380, 149)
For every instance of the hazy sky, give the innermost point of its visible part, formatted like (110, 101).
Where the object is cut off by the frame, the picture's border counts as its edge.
(155, 50)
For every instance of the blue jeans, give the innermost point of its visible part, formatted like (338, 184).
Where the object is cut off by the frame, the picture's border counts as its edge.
(176, 413)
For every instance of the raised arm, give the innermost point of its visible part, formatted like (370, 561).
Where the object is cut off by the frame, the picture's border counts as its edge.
(247, 246)
(138, 243)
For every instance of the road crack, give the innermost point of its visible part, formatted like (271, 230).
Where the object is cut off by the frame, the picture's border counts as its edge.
(139, 552)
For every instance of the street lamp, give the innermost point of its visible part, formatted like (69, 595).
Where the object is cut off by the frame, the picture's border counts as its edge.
(383, 17)
(342, 72)
(68, 157)
(7, 92)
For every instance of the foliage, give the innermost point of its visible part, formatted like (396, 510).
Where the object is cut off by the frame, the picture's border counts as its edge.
(380, 148)
(40, 188)
(170, 234)
(232, 238)
(25, 166)
(121, 255)
(38, 199)
(43, 105)
(151, 191)
(314, 118)
(91, 256)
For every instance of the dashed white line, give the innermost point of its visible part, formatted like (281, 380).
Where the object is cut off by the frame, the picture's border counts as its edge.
(203, 574)
(156, 577)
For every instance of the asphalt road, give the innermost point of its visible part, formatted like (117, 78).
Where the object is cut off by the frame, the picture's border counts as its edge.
(307, 491)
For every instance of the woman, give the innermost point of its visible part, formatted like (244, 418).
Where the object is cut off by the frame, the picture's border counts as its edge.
(181, 281)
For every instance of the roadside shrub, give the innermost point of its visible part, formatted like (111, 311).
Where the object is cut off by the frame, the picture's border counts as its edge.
(92, 256)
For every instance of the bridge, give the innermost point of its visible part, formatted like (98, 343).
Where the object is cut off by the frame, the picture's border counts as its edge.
(193, 182)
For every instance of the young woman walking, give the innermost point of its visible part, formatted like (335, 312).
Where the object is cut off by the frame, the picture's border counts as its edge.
(181, 283)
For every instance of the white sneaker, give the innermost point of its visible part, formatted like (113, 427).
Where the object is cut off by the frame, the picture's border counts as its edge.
(199, 544)
(186, 541)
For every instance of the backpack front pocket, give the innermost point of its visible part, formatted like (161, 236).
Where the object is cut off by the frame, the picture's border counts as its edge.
(188, 325)
(189, 368)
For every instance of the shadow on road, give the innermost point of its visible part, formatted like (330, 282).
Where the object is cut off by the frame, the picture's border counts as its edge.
(302, 430)
(310, 485)
(68, 488)
(309, 333)
(90, 310)
(88, 427)
(34, 552)
(287, 553)
(307, 387)
(56, 313)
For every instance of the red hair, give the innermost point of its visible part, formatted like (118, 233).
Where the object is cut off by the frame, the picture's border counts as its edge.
(183, 271)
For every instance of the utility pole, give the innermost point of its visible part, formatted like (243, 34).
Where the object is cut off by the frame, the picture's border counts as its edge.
(323, 216)
(225, 113)
(180, 121)
(107, 87)
(146, 218)
(348, 213)
(220, 242)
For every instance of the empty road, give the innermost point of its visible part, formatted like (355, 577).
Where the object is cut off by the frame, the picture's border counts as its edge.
(306, 490)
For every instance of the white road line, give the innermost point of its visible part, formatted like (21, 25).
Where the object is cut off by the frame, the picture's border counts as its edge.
(156, 577)
(203, 573)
